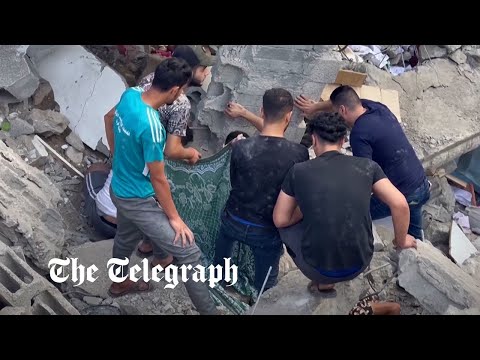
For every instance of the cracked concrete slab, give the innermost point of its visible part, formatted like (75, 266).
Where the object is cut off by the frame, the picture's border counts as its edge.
(85, 88)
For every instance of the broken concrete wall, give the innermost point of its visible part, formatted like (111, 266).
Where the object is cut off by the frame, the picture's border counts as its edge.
(28, 210)
(85, 88)
(439, 107)
(436, 282)
(24, 292)
(244, 72)
(17, 76)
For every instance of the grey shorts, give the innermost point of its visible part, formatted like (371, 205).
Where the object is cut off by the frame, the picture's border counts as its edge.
(292, 238)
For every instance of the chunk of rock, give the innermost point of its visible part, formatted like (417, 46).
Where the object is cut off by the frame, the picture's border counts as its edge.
(435, 281)
(74, 155)
(75, 141)
(48, 122)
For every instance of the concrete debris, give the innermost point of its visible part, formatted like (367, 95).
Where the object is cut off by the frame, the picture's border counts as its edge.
(432, 51)
(437, 232)
(378, 244)
(75, 141)
(85, 88)
(459, 57)
(436, 212)
(20, 127)
(16, 74)
(286, 264)
(435, 281)
(91, 300)
(291, 296)
(474, 218)
(153, 302)
(21, 286)
(441, 194)
(476, 243)
(28, 210)
(48, 122)
(41, 154)
(244, 72)
(432, 98)
(452, 48)
(74, 155)
(15, 310)
(460, 247)
(44, 98)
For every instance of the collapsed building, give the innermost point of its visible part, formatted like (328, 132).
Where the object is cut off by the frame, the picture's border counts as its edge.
(53, 99)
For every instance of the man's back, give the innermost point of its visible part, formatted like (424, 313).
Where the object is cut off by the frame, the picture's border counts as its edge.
(333, 192)
(257, 169)
(378, 135)
(139, 138)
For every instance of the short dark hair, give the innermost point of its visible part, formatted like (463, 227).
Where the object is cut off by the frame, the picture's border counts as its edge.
(277, 103)
(329, 127)
(171, 72)
(234, 134)
(346, 96)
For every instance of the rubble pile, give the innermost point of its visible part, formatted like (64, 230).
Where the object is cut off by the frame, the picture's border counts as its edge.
(52, 102)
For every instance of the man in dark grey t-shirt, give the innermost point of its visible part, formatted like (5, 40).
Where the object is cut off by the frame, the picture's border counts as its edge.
(328, 198)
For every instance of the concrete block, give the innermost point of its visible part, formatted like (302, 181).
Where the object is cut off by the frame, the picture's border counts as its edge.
(460, 247)
(75, 141)
(16, 75)
(15, 310)
(378, 244)
(20, 286)
(435, 281)
(48, 122)
(20, 127)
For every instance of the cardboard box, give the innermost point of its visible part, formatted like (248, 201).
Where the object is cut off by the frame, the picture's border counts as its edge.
(387, 97)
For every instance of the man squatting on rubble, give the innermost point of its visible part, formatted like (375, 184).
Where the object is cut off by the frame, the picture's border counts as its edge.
(139, 187)
(323, 215)
(100, 209)
(376, 134)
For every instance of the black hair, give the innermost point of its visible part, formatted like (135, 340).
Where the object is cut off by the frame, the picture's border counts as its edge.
(328, 127)
(233, 135)
(171, 72)
(277, 103)
(346, 96)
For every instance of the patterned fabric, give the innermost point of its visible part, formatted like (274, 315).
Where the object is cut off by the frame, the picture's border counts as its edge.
(200, 193)
(174, 117)
(364, 306)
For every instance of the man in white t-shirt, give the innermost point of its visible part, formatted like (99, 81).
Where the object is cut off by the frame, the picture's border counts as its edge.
(99, 209)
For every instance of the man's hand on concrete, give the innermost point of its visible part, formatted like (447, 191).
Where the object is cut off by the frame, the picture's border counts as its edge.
(409, 242)
(195, 156)
(235, 110)
(306, 105)
(182, 232)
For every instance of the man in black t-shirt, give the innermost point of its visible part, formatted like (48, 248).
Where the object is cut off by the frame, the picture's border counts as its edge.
(257, 168)
(329, 198)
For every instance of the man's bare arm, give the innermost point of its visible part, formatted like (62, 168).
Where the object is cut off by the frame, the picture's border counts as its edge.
(174, 150)
(310, 107)
(389, 194)
(286, 212)
(108, 119)
(235, 110)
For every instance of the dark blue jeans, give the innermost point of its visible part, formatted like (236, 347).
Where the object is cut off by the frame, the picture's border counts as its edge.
(265, 244)
(378, 210)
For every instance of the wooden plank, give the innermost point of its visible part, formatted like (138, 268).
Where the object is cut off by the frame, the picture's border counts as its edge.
(59, 156)
(352, 78)
(457, 181)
